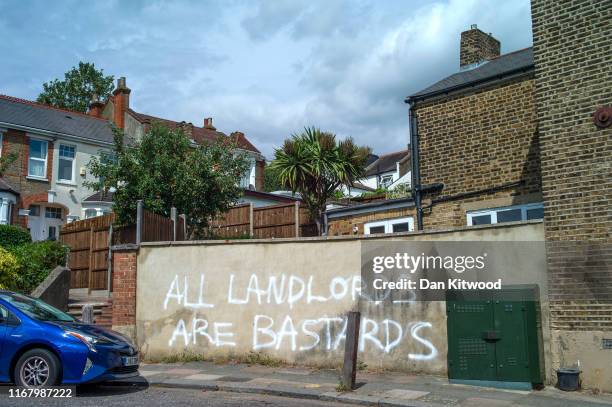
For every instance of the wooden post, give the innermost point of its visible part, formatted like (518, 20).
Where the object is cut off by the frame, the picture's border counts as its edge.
(349, 369)
(297, 218)
(173, 217)
(184, 220)
(251, 219)
(91, 254)
(87, 314)
(109, 269)
(138, 221)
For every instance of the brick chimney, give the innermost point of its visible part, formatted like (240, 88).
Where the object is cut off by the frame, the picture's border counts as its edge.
(122, 102)
(477, 46)
(186, 128)
(208, 124)
(95, 107)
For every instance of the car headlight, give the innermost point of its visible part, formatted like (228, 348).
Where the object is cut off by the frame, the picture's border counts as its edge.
(88, 340)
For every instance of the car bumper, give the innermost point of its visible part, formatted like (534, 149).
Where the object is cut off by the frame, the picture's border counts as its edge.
(106, 364)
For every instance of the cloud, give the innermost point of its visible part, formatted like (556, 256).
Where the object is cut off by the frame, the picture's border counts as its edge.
(267, 68)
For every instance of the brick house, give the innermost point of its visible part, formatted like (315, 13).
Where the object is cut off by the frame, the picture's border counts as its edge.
(117, 109)
(571, 42)
(474, 140)
(44, 187)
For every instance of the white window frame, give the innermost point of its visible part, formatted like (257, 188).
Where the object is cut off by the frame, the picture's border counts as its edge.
(493, 212)
(59, 158)
(382, 183)
(38, 159)
(388, 224)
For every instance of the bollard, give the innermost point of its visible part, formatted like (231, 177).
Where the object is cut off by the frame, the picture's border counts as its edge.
(87, 314)
(349, 369)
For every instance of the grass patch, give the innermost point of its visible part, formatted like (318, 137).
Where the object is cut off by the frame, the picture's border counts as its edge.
(342, 388)
(251, 358)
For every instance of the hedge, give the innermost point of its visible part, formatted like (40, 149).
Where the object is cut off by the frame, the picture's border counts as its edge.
(9, 269)
(36, 260)
(11, 236)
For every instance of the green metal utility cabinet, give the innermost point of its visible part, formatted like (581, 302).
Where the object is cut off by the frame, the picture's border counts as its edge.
(494, 337)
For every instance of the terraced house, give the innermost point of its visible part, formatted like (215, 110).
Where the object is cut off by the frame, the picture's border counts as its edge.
(134, 124)
(44, 187)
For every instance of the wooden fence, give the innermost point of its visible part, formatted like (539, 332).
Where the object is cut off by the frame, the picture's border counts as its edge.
(90, 241)
(277, 221)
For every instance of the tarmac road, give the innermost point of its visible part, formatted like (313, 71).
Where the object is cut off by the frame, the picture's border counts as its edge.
(144, 396)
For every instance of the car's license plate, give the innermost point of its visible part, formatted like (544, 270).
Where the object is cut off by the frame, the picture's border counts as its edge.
(130, 360)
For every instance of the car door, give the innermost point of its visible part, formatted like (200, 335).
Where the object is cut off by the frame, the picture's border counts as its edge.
(4, 317)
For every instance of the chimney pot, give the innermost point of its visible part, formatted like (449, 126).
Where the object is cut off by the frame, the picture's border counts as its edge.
(121, 83)
(208, 124)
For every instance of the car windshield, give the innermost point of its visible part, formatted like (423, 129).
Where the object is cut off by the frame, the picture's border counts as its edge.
(35, 308)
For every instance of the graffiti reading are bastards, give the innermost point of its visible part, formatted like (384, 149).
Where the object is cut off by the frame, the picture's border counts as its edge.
(322, 332)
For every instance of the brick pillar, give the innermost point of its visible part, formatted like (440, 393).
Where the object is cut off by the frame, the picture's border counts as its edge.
(124, 289)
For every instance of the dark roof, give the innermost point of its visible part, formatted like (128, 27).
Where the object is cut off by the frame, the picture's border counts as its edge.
(43, 117)
(386, 162)
(199, 134)
(491, 70)
(100, 196)
(5, 186)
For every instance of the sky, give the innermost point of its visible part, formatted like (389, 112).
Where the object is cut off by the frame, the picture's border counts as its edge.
(266, 68)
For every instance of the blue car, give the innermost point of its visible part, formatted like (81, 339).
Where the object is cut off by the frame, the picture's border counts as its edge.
(43, 346)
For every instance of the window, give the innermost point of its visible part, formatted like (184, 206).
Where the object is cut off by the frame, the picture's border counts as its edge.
(386, 180)
(53, 213)
(37, 163)
(34, 210)
(91, 213)
(506, 214)
(66, 163)
(389, 226)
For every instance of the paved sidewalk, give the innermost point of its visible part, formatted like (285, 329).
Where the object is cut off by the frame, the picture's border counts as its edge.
(387, 389)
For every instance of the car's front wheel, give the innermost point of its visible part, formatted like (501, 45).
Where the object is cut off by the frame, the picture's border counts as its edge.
(37, 368)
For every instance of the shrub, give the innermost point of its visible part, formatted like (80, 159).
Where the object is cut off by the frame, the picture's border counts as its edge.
(13, 236)
(9, 269)
(36, 260)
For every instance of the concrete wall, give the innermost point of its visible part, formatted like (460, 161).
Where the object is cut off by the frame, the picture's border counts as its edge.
(215, 299)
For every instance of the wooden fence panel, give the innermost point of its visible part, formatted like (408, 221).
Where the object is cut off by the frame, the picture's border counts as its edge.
(276, 221)
(88, 240)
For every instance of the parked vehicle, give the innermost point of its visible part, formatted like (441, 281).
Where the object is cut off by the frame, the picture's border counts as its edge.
(43, 346)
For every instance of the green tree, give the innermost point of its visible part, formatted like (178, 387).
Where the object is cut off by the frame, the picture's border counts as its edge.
(315, 164)
(77, 89)
(165, 169)
(272, 181)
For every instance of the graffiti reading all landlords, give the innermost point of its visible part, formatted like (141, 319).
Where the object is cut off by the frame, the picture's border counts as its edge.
(323, 332)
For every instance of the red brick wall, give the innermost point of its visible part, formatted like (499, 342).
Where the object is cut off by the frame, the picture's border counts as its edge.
(124, 286)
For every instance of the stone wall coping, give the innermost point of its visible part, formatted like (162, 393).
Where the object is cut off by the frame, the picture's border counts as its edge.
(339, 238)
(128, 247)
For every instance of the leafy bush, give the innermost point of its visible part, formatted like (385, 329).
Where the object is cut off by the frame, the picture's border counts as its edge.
(36, 260)
(13, 236)
(9, 269)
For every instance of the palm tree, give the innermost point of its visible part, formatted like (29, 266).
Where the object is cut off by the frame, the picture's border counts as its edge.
(314, 164)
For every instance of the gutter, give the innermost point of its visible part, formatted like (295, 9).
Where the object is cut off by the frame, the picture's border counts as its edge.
(49, 133)
(416, 173)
